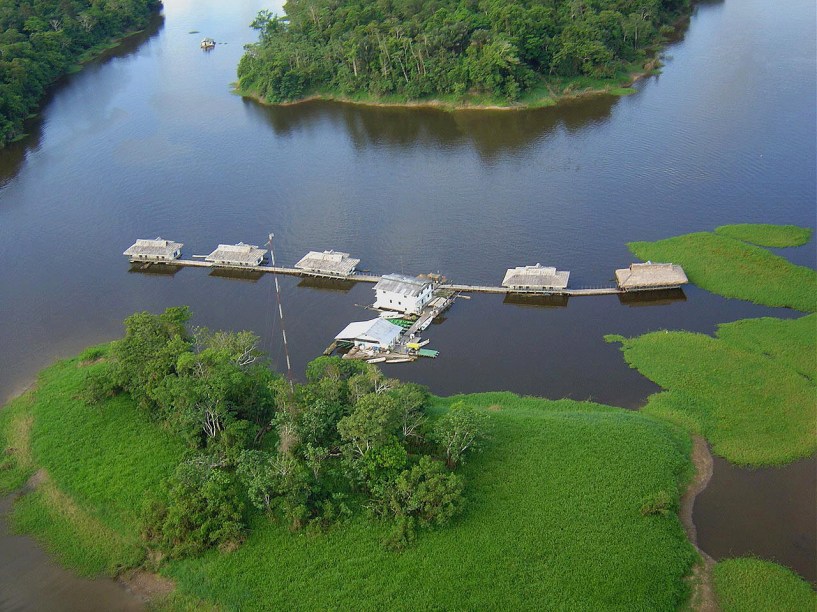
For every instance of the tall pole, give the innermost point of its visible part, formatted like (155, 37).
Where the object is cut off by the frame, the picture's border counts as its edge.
(280, 313)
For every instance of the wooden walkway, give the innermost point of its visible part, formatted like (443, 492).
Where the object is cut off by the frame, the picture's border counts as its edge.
(373, 278)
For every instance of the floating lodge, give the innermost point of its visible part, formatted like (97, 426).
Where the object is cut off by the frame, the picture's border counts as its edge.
(408, 304)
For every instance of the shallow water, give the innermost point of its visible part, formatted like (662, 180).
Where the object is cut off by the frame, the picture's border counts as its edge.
(150, 141)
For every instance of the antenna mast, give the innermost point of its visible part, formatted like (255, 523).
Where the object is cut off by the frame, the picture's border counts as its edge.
(280, 312)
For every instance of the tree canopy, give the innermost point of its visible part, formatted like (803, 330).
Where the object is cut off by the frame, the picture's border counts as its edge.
(420, 49)
(41, 39)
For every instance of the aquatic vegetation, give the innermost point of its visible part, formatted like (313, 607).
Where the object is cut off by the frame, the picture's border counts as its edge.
(767, 235)
(754, 585)
(733, 268)
(750, 390)
(554, 507)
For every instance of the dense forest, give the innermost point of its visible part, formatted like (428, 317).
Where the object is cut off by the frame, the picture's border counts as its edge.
(416, 49)
(347, 441)
(41, 39)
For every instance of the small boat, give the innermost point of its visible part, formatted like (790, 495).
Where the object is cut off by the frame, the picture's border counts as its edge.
(376, 360)
(400, 360)
(208, 43)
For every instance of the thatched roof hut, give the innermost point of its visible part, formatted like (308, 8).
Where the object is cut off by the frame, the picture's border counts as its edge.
(535, 278)
(650, 276)
(242, 255)
(334, 263)
(154, 250)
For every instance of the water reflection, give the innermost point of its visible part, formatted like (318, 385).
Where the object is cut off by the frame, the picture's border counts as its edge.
(490, 133)
(652, 298)
(327, 284)
(157, 269)
(15, 154)
(542, 301)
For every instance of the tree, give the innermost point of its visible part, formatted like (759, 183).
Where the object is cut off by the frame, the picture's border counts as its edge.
(199, 507)
(459, 431)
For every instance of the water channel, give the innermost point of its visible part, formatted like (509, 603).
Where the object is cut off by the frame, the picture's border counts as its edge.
(149, 140)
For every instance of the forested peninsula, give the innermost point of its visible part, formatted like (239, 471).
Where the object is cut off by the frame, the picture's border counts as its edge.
(40, 40)
(454, 52)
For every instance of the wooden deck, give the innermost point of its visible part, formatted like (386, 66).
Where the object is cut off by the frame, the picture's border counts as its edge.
(373, 278)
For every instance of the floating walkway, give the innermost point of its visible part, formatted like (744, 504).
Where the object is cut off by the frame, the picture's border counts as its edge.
(358, 277)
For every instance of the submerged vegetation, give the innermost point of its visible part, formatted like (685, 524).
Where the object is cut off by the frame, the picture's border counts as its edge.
(753, 585)
(41, 40)
(485, 51)
(338, 497)
(725, 264)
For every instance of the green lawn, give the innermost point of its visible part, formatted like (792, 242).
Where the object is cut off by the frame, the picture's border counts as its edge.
(733, 268)
(553, 518)
(753, 585)
(750, 391)
(763, 234)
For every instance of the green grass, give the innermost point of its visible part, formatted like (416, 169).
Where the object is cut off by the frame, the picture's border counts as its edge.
(553, 522)
(752, 585)
(736, 269)
(553, 516)
(750, 391)
(100, 462)
(763, 234)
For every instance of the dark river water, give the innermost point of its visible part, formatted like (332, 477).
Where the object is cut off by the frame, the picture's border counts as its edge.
(150, 141)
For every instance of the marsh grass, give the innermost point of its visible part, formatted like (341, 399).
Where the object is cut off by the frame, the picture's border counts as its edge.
(766, 235)
(753, 585)
(554, 516)
(749, 391)
(553, 521)
(736, 269)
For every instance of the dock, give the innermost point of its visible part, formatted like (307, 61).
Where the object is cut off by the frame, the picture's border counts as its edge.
(358, 277)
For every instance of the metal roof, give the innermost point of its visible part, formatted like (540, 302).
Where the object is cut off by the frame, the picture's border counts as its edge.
(651, 275)
(401, 284)
(536, 277)
(153, 248)
(378, 331)
(237, 253)
(331, 262)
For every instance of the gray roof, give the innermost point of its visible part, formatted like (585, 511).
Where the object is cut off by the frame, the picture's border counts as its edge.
(378, 330)
(330, 262)
(651, 275)
(239, 253)
(153, 248)
(401, 284)
(536, 277)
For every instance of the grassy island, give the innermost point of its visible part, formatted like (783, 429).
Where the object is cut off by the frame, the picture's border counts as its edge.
(569, 505)
(454, 53)
(753, 585)
(42, 41)
(729, 263)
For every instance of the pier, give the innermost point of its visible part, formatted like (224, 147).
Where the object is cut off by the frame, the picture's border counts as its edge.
(358, 277)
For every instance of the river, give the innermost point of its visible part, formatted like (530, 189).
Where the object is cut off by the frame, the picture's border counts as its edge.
(149, 140)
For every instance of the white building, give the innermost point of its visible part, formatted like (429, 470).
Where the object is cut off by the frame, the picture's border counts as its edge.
(651, 276)
(535, 278)
(332, 263)
(402, 293)
(154, 250)
(240, 255)
(377, 334)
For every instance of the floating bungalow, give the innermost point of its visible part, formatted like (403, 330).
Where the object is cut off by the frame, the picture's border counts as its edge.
(407, 294)
(375, 335)
(643, 276)
(237, 255)
(207, 43)
(158, 250)
(329, 263)
(536, 278)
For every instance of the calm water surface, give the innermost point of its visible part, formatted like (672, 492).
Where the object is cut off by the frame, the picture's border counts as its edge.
(150, 141)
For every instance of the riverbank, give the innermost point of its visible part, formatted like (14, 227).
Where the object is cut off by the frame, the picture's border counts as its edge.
(543, 96)
(562, 492)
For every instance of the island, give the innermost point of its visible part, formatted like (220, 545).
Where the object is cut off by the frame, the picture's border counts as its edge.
(454, 53)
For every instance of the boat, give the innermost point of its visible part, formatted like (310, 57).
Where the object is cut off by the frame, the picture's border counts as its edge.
(208, 43)
(376, 360)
